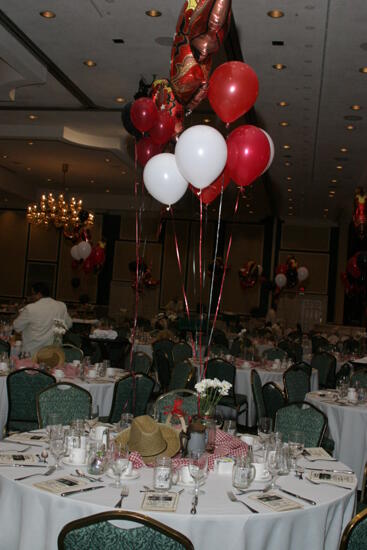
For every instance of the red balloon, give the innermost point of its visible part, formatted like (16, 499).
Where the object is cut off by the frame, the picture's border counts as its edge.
(248, 154)
(99, 255)
(210, 193)
(163, 129)
(87, 266)
(233, 89)
(164, 98)
(282, 268)
(353, 268)
(143, 114)
(146, 149)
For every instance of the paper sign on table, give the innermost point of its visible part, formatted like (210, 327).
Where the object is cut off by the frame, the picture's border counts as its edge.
(61, 484)
(17, 459)
(160, 502)
(316, 453)
(332, 478)
(26, 437)
(276, 502)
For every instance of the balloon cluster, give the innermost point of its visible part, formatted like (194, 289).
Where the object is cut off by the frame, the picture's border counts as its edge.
(249, 274)
(360, 212)
(289, 275)
(89, 258)
(144, 278)
(355, 277)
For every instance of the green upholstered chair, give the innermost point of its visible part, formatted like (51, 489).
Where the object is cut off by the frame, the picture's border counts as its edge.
(166, 346)
(181, 351)
(23, 387)
(4, 347)
(319, 344)
(275, 353)
(162, 367)
(351, 346)
(219, 338)
(166, 401)
(73, 338)
(97, 533)
(68, 400)
(224, 370)
(296, 384)
(295, 351)
(274, 399)
(362, 503)
(359, 377)
(302, 365)
(355, 533)
(237, 347)
(72, 353)
(141, 362)
(131, 395)
(182, 376)
(116, 351)
(302, 417)
(257, 394)
(325, 363)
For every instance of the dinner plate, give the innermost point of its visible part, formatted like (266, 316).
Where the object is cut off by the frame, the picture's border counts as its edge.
(134, 474)
(67, 462)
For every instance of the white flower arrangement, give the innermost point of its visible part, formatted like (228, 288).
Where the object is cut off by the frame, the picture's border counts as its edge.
(210, 392)
(59, 327)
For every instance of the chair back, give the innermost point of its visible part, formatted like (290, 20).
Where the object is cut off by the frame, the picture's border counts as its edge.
(360, 377)
(117, 351)
(182, 375)
(274, 353)
(295, 351)
(97, 532)
(273, 398)
(223, 370)
(23, 386)
(302, 365)
(68, 400)
(92, 350)
(73, 338)
(162, 367)
(257, 394)
(236, 348)
(181, 351)
(131, 395)
(220, 339)
(296, 384)
(166, 346)
(141, 363)
(355, 534)
(302, 417)
(72, 353)
(166, 402)
(325, 363)
(351, 346)
(319, 344)
(4, 347)
(343, 373)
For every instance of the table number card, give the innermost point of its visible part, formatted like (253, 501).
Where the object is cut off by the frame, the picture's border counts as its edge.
(275, 502)
(160, 502)
(61, 485)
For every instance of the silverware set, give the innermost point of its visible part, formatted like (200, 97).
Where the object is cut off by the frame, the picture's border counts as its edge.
(47, 473)
(232, 497)
(124, 493)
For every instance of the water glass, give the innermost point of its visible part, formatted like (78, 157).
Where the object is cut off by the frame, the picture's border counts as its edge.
(119, 462)
(243, 473)
(52, 419)
(198, 467)
(162, 477)
(57, 443)
(274, 462)
(126, 420)
(285, 460)
(230, 426)
(296, 444)
(94, 414)
(210, 434)
(264, 429)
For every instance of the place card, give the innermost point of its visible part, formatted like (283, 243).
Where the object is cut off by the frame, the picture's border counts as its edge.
(276, 502)
(17, 459)
(27, 437)
(160, 502)
(61, 485)
(331, 478)
(316, 453)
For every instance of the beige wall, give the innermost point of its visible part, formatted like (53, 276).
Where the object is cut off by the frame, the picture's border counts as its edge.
(13, 246)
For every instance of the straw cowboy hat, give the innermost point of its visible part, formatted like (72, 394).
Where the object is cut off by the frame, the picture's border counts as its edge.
(51, 355)
(150, 439)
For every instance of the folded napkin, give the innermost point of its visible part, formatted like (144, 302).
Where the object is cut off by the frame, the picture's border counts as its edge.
(104, 334)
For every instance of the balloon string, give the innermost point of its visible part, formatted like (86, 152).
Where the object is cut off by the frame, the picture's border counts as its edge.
(201, 284)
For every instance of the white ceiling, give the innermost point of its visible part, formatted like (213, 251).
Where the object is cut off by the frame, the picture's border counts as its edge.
(79, 122)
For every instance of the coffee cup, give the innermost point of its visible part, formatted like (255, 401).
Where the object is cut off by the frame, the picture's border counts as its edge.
(98, 432)
(92, 373)
(260, 470)
(184, 475)
(352, 395)
(77, 455)
(110, 371)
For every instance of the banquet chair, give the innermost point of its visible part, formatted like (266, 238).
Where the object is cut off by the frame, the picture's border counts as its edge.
(182, 375)
(116, 351)
(257, 394)
(181, 351)
(216, 350)
(164, 403)
(22, 387)
(166, 347)
(72, 338)
(52, 356)
(359, 377)
(4, 347)
(141, 362)
(66, 399)
(72, 353)
(236, 349)
(96, 532)
(343, 373)
(162, 367)
(274, 353)
(302, 365)
(223, 370)
(219, 338)
(296, 384)
(355, 534)
(325, 363)
(131, 395)
(319, 344)
(274, 399)
(295, 351)
(302, 417)
(91, 349)
(362, 503)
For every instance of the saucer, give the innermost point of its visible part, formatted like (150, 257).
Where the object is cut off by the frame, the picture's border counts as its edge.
(67, 462)
(134, 474)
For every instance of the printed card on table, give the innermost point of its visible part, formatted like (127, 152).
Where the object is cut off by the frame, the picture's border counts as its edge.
(276, 503)
(316, 453)
(332, 478)
(160, 502)
(28, 437)
(61, 485)
(17, 459)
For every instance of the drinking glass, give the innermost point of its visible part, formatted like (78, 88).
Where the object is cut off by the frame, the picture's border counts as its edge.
(264, 427)
(52, 419)
(243, 473)
(126, 420)
(162, 477)
(274, 462)
(94, 414)
(296, 444)
(57, 444)
(198, 467)
(119, 461)
(230, 426)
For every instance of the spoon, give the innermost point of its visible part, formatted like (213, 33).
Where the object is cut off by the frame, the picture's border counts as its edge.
(82, 474)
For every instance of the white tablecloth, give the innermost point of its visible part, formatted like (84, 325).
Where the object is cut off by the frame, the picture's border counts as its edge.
(32, 519)
(348, 429)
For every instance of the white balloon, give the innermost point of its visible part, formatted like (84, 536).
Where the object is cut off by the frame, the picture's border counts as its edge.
(302, 273)
(163, 179)
(201, 155)
(272, 149)
(281, 280)
(75, 252)
(84, 249)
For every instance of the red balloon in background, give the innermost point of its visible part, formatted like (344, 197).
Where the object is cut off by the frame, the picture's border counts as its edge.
(88, 266)
(164, 98)
(163, 129)
(146, 149)
(281, 268)
(143, 114)
(248, 154)
(99, 255)
(75, 264)
(233, 89)
(353, 268)
(210, 193)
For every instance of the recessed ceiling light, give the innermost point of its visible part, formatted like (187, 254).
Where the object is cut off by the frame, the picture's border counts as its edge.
(282, 104)
(28, 168)
(250, 211)
(326, 210)
(153, 13)
(355, 107)
(91, 181)
(289, 178)
(107, 159)
(276, 14)
(89, 63)
(343, 150)
(123, 172)
(286, 146)
(32, 117)
(339, 167)
(350, 127)
(206, 120)
(279, 66)
(107, 190)
(284, 123)
(287, 163)
(49, 179)
(47, 14)
(363, 70)
(290, 207)
(119, 99)
(334, 181)
(290, 199)
(248, 205)
(5, 156)
(30, 142)
(289, 189)
(290, 213)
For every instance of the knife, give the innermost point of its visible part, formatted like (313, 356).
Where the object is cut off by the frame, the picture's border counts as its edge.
(333, 471)
(298, 496)
(68, 493)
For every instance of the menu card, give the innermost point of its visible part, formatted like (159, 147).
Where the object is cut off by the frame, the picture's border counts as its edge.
(332, 478)
(160, 502)
(61, 484)
(316, 453)
(27, 437)
(276, 502)
(17, 459)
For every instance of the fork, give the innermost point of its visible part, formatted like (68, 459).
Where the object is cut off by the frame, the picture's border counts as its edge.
(233, 498)
(15, 450)
(124, 493)
(246, 491)
(47, 473)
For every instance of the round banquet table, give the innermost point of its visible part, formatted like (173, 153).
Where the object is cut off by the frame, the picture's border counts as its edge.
(347, 426)
(33, 518)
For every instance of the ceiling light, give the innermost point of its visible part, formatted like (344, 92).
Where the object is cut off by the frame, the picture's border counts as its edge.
(286, 146)
(123, 172)
(350, 127)
(343, 149)
(250, 211)
(5, 156)
(283, 104)
(289, 189)
(279, 66)
(290, 213)
(355, 107)
(119, 99)
(363, 70)
(153, 13)
(90, 63)
(28, 168)
(32, 117)
(284, 123)
(30, 142)
(290, 207)
(290, 199)
(326, 210)
(289, 178)
(334, 181)
(107, 159)
(287, 163)
(248, 205)
(107, 190)
(339, 167)
(47, 14)
(276, 14)
(91, 181)
(49, 179)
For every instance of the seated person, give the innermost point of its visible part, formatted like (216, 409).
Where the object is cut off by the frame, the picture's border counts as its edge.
(36, 320)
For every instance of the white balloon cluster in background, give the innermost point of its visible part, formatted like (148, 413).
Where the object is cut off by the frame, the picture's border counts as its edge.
(281, 279)
(81, 251)
(200, 157)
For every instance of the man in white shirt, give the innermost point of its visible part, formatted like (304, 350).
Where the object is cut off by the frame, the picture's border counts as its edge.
(36, 320)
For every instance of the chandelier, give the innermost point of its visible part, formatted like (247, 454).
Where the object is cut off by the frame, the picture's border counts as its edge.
(57, 211)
